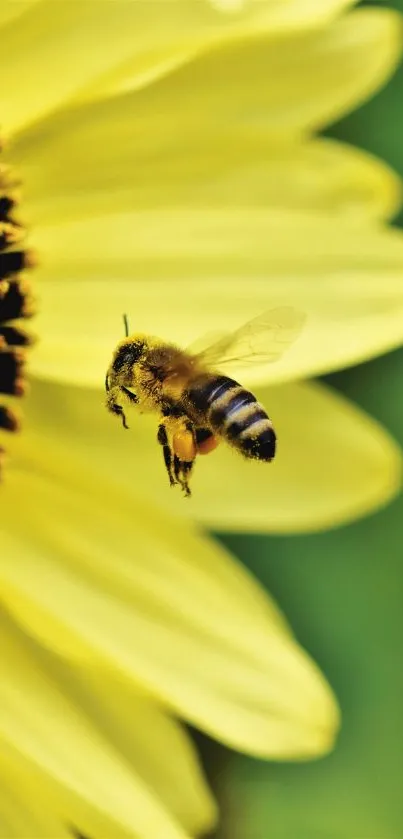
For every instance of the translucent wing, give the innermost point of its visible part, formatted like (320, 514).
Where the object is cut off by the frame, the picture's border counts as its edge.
(260, 341)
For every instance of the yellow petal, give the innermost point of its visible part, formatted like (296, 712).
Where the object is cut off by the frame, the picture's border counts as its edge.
(290, 11)
(43, 732)
(145, 735)
(182, 31)
(314, 78)
(279, 15)
(51, 35)
(297, 82)
(88, 39)
(212, 270)
(68, 173)
(24, 814)
(9, 9)
(334, 463)
(117, 581)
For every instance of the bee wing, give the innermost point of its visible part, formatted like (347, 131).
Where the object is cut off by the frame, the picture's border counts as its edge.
(260, 341)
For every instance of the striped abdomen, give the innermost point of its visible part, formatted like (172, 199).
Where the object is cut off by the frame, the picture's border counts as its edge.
(235, 414)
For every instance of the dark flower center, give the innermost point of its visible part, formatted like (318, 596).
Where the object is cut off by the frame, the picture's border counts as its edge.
(16, 302)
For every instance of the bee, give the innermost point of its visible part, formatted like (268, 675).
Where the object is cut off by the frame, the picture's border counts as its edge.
(198, 405)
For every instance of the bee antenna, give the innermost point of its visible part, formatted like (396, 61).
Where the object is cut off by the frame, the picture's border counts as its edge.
(126, 325)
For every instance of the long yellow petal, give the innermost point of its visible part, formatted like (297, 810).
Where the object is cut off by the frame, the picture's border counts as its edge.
(112, 579)
(145, 735)
(294, 84)
(49, 35)
(334, 463)
(44, 732)
(289, 84)
(180, 274)
(183, 31)
(68, 173)
(290, 13)
(9, 10)
(25, 814)
(278, 86)
(87, 38)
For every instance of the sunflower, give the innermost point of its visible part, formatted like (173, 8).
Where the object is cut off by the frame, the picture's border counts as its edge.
(183, 184)
(170, 170)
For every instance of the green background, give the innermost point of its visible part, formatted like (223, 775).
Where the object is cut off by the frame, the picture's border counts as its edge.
(342, 592)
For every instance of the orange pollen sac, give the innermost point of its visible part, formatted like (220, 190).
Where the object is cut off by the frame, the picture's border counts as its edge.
(184, 446)
(15, 301)
(207, 446)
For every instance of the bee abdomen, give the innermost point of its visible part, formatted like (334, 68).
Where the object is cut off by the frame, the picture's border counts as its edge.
(208, 391)
(247, 426)
(257, 439)
(235, 414)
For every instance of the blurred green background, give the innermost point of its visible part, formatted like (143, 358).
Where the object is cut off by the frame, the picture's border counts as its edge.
(342, 592)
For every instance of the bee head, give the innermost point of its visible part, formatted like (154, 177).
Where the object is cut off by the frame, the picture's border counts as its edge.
(128, 353)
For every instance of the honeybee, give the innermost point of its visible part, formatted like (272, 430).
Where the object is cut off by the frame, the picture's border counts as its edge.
(196, 404)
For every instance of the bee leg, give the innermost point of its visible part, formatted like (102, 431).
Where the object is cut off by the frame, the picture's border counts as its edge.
(182, 471)
(185, 450)
(162, 438)
(117, 409)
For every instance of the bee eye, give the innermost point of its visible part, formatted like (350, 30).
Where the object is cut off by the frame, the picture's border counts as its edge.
(128, 354)
(135, 350)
